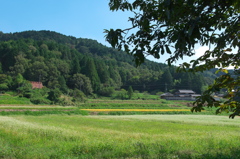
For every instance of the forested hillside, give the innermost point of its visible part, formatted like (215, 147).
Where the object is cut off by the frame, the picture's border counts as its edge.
(68, 63)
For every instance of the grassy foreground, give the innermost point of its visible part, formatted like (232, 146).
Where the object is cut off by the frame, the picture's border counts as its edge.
(132, 136)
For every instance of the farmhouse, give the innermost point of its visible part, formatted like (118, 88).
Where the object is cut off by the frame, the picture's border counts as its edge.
(37, 85)
(180, 95)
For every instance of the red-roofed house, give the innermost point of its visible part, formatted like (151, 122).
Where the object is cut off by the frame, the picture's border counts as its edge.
(38, 85)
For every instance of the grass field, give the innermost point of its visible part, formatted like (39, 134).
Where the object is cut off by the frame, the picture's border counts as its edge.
(7, 99)
(131, 136)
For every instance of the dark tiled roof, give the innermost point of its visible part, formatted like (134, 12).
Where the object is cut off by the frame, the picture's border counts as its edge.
(186, 91)
(167, 94)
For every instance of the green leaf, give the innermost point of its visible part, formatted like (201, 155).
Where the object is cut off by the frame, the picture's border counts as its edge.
(126, 48)
(167, 49)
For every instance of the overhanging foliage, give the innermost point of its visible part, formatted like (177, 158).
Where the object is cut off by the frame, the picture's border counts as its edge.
(175, 28)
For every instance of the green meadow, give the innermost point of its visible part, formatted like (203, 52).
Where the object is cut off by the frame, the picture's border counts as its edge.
(126, 136)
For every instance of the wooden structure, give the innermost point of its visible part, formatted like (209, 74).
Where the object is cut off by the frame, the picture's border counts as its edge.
(37, 85)
(180, 95)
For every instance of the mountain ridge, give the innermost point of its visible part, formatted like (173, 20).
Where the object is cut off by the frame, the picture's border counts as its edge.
(52, 55)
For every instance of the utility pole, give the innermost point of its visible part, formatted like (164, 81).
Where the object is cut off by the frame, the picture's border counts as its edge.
(165, 87)
(39, 80)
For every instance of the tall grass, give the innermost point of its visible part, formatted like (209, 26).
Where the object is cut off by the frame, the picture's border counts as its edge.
(44, 112)
(7, 99)
(138, 136)
(130, 105)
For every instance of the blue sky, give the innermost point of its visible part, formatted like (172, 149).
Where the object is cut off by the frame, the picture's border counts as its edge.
(78, 18)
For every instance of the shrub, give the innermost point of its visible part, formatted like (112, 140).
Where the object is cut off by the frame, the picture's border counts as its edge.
(54, 95)
(159, 93)
(78, 96)
(106, 91)
(40, 100)
(122, 94)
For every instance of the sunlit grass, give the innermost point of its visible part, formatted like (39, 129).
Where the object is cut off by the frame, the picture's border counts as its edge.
(136, 110)
(136, 136)
(16, 100)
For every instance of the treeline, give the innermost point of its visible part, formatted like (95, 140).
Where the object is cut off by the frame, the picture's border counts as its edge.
(67, 63)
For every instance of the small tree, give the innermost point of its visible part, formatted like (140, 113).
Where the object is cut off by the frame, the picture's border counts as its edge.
(130, 92)
(25, 89)
(82, 83)
(78, 96)
(106, 91)
(3, 82)
(122, 94)
(54, 95)
(19, 80)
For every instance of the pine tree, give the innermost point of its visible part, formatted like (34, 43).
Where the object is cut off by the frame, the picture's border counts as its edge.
(75, 68)
(115, 76)
(197, 83)
(186, 81)
(91, 72)
(62, 84)
(102, 72)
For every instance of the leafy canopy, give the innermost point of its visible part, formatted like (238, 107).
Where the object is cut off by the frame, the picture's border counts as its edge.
(175, 27)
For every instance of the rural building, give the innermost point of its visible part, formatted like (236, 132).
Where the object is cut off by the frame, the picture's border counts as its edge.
(165, 95)
(184, 93)
(38, 85)
(180, 95)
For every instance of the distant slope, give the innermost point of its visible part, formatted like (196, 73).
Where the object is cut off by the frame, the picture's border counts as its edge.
(54, 56)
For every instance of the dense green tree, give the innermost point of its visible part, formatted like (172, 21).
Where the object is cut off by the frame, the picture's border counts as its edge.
(75, 66)
(130, 92)
(53, 72)
(20, 65)
(54, 59)
(3, 82)
(159, 25)
(103, 72)
(19, 80)
(53, 75)
(82, 83)
(91, 72)
(1, 71)
(186, 81)
(63, 67)
(83, 49)
(32, 51)
(115, 76)
(197, 83)
(44, 50)
(62, 84)
(54, 95)
(122, 94)
(78, 96)
(38, 71)
(123, 74)
(53, 84)
(25, 89)
(106, 91)
(166, 81)
(145, 76)
(8, 50)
